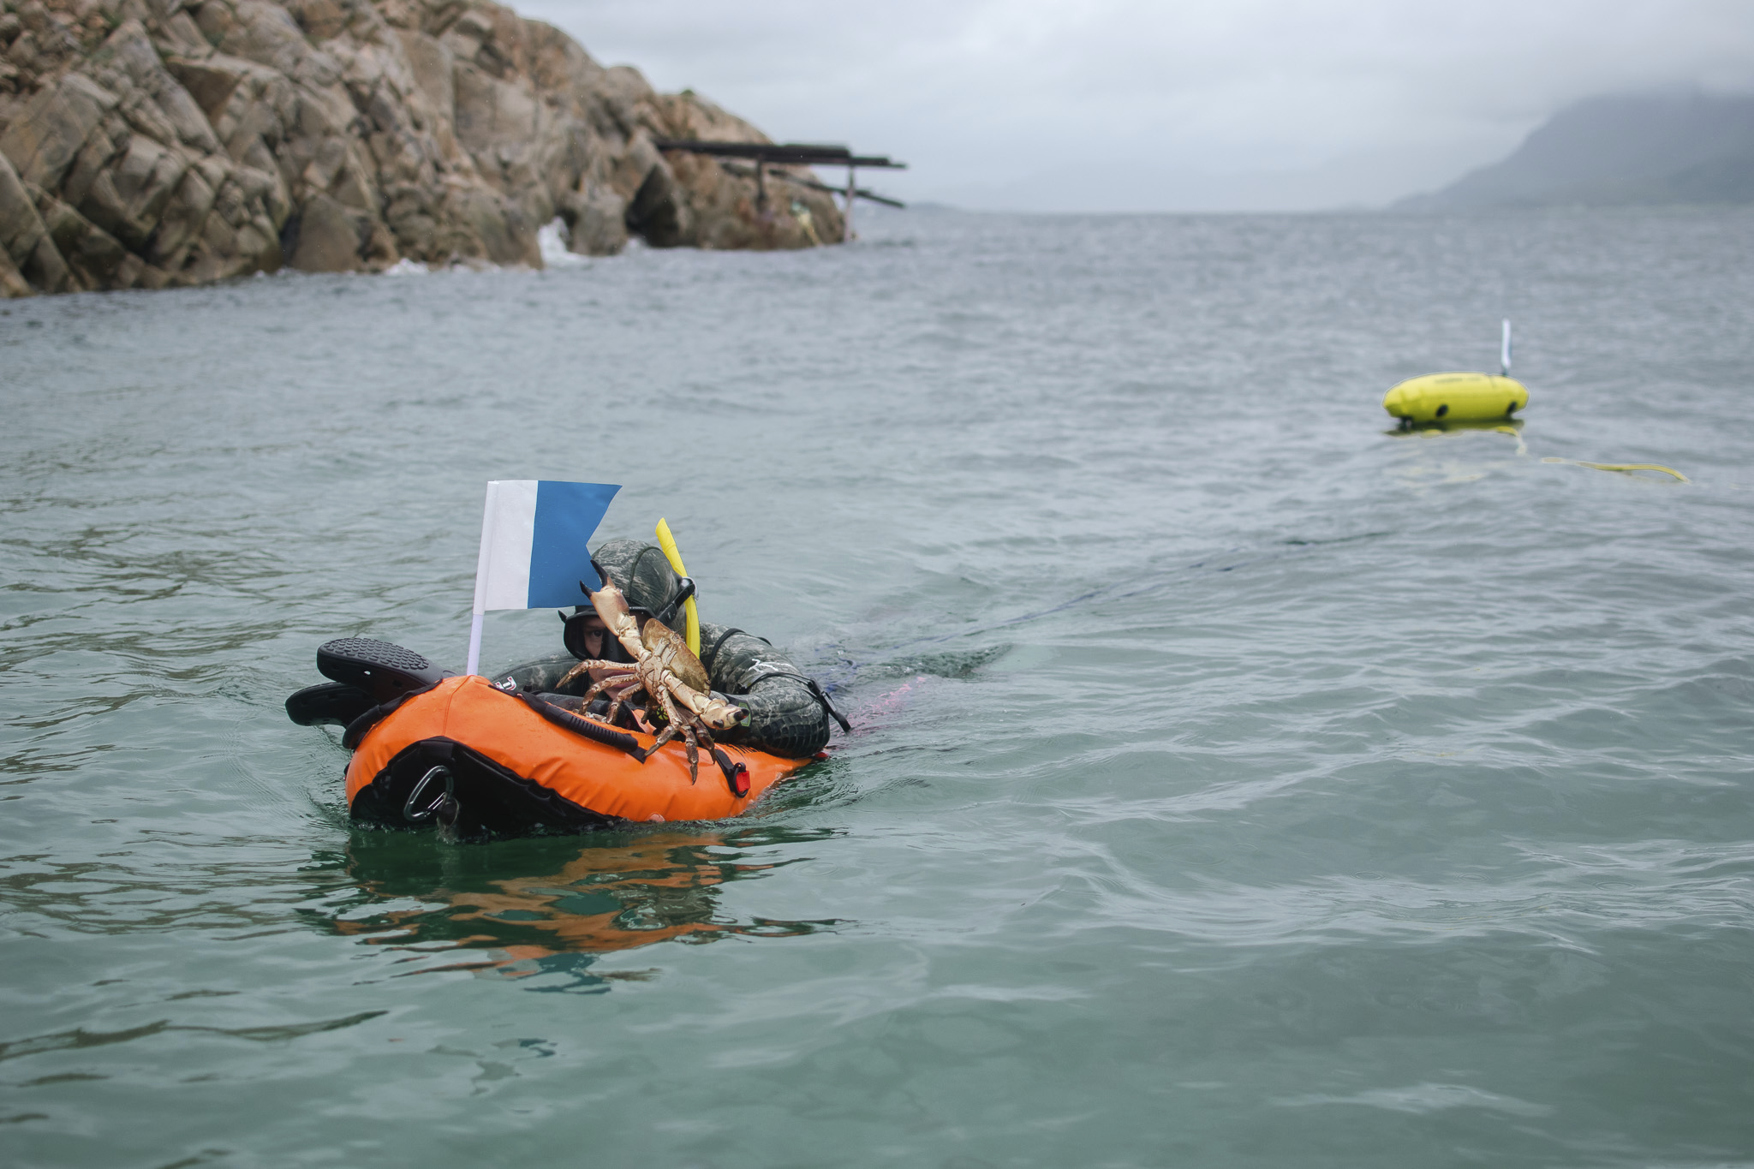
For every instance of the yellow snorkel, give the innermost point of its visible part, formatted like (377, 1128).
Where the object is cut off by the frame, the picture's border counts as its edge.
(668, 543)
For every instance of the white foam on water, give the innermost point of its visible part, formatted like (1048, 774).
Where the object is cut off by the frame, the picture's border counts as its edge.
(552, 239)
(406, 267)
(1424, 1098)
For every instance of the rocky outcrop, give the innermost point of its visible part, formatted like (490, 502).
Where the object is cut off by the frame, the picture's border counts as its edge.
(146, 143)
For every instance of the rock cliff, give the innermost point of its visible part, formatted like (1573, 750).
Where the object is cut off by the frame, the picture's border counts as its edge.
(146, 143)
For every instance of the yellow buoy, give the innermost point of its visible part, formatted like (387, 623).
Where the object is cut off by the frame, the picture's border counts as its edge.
(1456, 397)
(1459, 397)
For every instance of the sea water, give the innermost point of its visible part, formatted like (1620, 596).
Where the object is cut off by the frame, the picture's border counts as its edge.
(1233, 781)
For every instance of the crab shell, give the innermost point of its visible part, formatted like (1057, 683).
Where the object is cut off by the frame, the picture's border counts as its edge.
(672, 650)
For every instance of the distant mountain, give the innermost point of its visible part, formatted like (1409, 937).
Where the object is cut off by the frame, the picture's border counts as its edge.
(1630, 148)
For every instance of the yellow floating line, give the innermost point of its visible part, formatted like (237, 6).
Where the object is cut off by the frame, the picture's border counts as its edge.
(1622, 467)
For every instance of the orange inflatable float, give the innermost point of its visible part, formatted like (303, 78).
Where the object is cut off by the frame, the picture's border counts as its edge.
(484, 760)
(495, 763)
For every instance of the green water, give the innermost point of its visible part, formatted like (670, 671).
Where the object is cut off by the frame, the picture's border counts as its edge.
(1232, 783)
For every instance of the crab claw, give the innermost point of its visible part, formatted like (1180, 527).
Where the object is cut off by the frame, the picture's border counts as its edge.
(611, 606)
(607, 582)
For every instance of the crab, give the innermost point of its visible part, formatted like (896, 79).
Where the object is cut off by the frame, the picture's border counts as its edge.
(667, 670)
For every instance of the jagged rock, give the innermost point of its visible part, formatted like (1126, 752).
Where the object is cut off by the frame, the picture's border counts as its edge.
(25, 238)
(43, 141)
(211, 82)
(94, 255)
(326, 237)
(146, 143)
(12, 282)
(596, 221)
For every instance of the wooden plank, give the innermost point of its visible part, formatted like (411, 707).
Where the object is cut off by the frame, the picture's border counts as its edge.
(793, 153)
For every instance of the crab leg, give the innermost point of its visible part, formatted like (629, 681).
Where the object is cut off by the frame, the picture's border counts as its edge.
(714, 712)
(695, 736)
(620, 694)
(606, 685)
(726, 766)
(678, 721)
(584, 667)
(688, 740)
(664, 736)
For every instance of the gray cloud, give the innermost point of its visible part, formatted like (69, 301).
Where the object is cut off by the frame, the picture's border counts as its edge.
(1130, 105)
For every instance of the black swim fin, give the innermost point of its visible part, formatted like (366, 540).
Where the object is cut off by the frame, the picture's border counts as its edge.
(332, 704)
(382, 670)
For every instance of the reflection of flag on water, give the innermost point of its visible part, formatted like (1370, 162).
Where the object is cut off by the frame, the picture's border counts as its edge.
(533, 546)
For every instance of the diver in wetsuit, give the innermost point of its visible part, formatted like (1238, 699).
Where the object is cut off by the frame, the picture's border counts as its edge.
(789, 713)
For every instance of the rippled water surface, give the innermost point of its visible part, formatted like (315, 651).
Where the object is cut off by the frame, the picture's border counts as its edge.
(1232, 782)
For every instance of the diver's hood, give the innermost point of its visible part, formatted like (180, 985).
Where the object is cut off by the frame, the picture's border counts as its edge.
(644, 577)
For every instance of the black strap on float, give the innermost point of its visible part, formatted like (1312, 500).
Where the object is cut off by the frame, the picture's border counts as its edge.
(815, 689)
(736, 774)
(566, 720)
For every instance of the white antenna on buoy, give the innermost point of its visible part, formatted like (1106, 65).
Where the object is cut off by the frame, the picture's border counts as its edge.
(1504, 352)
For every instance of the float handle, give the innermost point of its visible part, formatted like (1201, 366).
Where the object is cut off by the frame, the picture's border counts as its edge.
(668, 543)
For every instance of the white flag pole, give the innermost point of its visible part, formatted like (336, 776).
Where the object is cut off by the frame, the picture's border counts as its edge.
(1504, 352)
(481, 565)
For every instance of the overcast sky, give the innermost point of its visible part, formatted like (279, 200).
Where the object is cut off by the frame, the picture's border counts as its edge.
(1119, 105)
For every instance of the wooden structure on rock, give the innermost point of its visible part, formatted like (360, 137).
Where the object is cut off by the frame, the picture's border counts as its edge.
(765, 154)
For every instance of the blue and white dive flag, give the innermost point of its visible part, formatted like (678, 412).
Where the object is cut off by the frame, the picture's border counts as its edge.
(533, 547)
